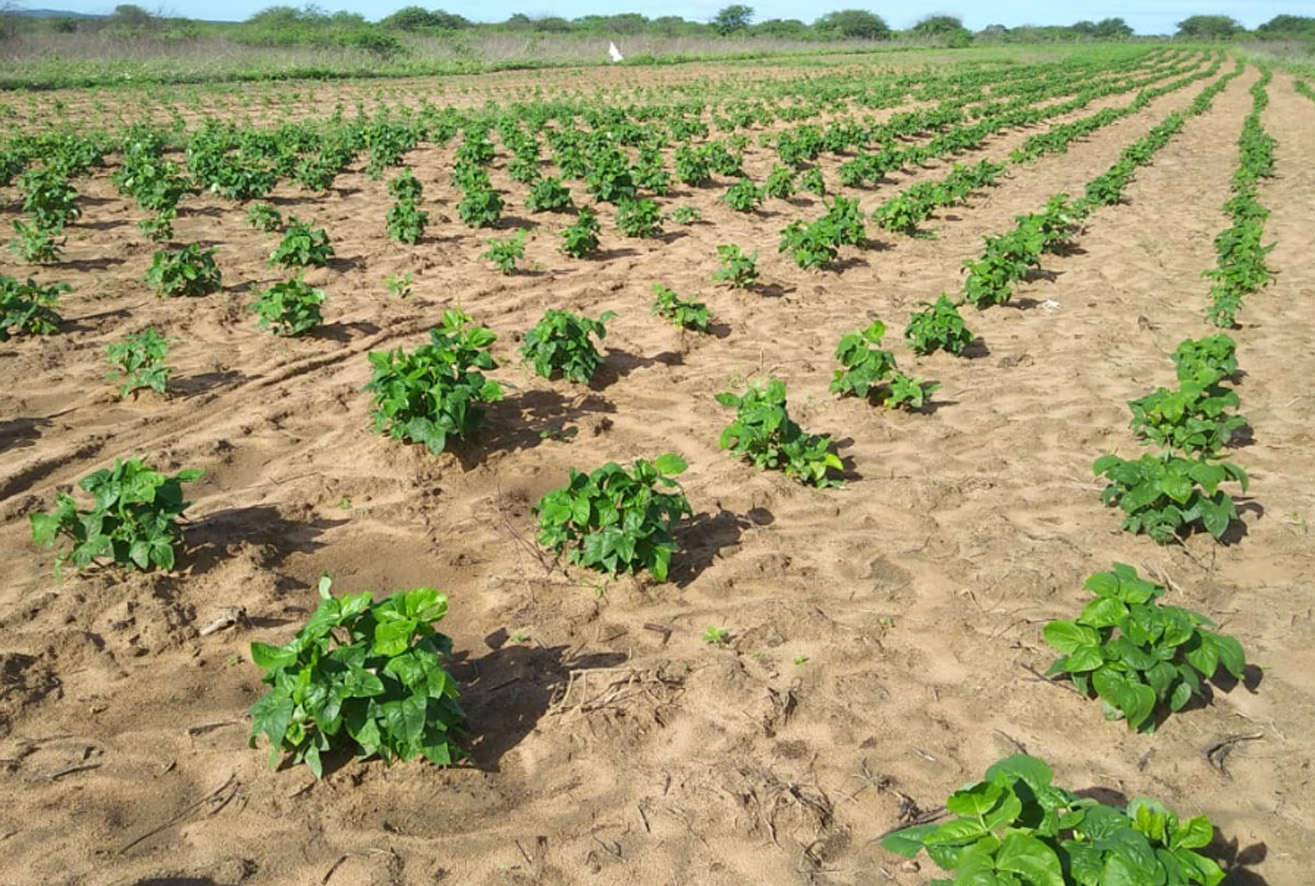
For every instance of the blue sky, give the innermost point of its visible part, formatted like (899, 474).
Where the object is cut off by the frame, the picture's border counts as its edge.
(1146, 17)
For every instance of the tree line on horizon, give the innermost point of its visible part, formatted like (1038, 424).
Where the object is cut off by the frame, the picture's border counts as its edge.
(310, 25)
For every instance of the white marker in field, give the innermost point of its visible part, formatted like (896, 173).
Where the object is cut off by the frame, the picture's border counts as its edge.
(614, 52)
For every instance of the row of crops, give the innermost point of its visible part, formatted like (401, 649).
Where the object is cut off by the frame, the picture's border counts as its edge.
(368, 675)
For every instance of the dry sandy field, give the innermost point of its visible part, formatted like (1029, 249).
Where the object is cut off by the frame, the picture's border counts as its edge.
(883, 638)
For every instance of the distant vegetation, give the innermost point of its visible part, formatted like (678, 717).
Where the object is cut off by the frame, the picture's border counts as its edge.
(51, 49)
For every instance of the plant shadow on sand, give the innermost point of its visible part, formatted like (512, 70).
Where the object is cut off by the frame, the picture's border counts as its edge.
(507, 691)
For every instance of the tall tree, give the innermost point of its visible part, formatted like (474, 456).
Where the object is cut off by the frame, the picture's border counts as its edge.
(856, 24)
(732, 19)
(1209, 27)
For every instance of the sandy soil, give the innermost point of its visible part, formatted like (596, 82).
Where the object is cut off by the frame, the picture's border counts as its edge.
(880, 634)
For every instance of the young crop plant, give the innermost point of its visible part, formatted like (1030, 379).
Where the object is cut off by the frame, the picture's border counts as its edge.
(1005, 261)
(780, 184)
(435, 392)
(291, 307)
(687, 314)
(189, 271)
(764, 433)
(49, 200)
(640, 218)
(505, 253)
(615, 520)
(686, 215)
(399, 285)
(743, 196)
(159, 228)
(36, 244)
(406, 187)
(138, 362)
(1016, 827)
(901, 214)
(361, 675)
(1213, 358)
(264, 217)
(480, 206)
(406, 222)
(302, 247)
(811, 246)
(134, 520)
(549, 195)
(738, 270)
(1165, 495)
(939, 327)
(812, 181)
(29, 308)
(581, 238)
(559, 343)
(1195, 419)
(1137, 655)
(1057, 223)
(692, 166)
(867, 369)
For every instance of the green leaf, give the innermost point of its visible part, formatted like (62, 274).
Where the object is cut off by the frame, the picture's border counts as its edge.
(671, 464)
(1067, 636)
(270, 657)
(1031, 858)
(907, 841)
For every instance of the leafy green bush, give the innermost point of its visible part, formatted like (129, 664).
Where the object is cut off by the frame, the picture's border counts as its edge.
(1206, 360)
(189, 271)
(29, 308)
(1005, 261)
(780, 183)
(480, 207)
(264, 217)
(560, 343)
(1195, 419)
(737, 269)
(1135, 654)
(160, 228)
(811, 181)
(36, 244)
(640, 218)
(364, 676)
(138, 361)
(1165, 495)
(406, 222)
(302, 247)
(614, 520)
(938, 328)
(290, 307)
(743, 196)
(549, 195)
(685, 314)
(764, 433)
(867, 368)
(1016, 827)
(505, 253)
(581, 238)
(134, 520)
(435, 392)
(48, 198)
(686, 215)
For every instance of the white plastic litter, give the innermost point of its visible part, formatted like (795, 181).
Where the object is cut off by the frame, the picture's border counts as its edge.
(614, 52)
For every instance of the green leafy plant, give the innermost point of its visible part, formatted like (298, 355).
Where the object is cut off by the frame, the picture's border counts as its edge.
(737, 269)
(435, 391)
(939, 327)
(302, 247)
(480, 207)
(686, 215)
(399, 285)
(715, 636)
(811, 181)
(406, 222)
(264, 217)
(159, 228)
(581, 238)
(685, 314)
(560, 343)
(48, 198)
(549, 195)
(291, 307)
(867, 369)
(406, 187)
(138, 362)
(743, 196)
(1005, 261)
(1213, 358)
(640, 218)
(363, 676)
(190, 271)
(505, 253)
(36, 244)
(134, 520)
(780, 183)
(1138, 655)
(1195, 419)
(29, 308)
(1165, 495)
(764, 433)
(1016, 827)
(616, 520)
